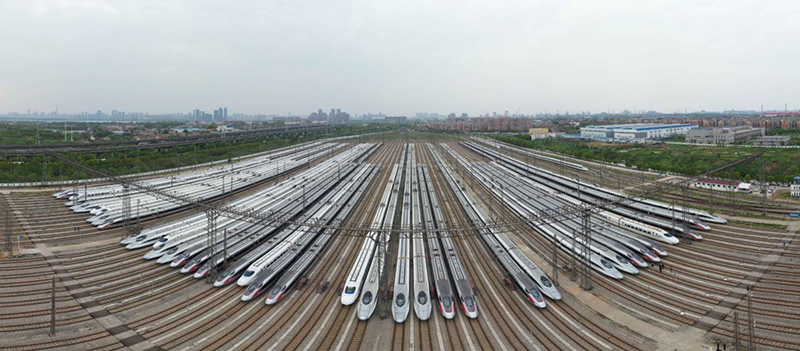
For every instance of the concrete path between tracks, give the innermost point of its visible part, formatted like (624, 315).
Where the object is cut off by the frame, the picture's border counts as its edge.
(46, 250)
(129, 339)
(685, 338)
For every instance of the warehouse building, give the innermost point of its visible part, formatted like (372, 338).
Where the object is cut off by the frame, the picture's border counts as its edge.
(631, 132)
(778, 140)
(539, 133)
(721, 184)
(723, 135)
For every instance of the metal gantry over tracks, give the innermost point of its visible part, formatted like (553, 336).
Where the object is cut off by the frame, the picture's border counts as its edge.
(550, 216)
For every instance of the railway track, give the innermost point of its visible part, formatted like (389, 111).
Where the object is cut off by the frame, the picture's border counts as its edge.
(737, 238)
(179, 312)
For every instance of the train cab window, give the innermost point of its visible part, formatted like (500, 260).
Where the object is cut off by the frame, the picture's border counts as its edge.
(276, 290)
(367, 298)
(248, 273)
(251, 288)
(447, 301)
(606, 264)
(140, 238)
(350, 290)
(546, 282)
(668, 235)
(620, 259)
(469, 301)
(422, 298)
(401, 300)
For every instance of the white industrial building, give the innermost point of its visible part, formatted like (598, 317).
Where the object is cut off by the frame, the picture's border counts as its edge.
(796, 187)
(638, 131)
(721, 184)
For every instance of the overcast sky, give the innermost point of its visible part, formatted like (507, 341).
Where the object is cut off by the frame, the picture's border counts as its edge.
(398, 56)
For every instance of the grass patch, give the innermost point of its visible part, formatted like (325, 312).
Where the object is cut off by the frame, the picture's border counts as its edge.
(757, 224)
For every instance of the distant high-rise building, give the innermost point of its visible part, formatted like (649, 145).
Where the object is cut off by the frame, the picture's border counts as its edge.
(225, 115)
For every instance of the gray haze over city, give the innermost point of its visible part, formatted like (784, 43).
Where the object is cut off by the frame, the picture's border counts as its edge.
(399, 57)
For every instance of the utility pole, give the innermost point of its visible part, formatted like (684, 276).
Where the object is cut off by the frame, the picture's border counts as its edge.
(736, 330)
(211, 240)
(138, 226)
(763, 186)
(225, 248)
(586, 269)
(555, 259)
(53, 308)
(573, 268)
(9, 245)
(126, 210)
(750, 344)
(44, 170)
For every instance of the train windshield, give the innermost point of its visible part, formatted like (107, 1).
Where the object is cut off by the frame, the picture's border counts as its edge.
(469, 301)
(621, 259)
(546, 282)
(422, 298)
(606, 264)
(367, 298)
(668, 235)
(350, 290)
(447, 302)
(251, 288)
(401, 300)
(248, 273)
(535, 293)
(276, 290)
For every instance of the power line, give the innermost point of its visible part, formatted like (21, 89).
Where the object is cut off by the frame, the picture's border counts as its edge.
(549, 216)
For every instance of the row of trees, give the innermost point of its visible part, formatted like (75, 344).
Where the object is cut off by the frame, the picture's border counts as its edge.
(23, 169)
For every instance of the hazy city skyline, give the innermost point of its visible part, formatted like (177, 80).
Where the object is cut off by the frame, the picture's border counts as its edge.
(398, 57)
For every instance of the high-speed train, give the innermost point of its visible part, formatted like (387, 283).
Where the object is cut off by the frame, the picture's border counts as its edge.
(371, 287)
(476, 215)
(441, 280)
(421, 287)
(505, 187)
(464, 292)
(610, 249)
(323, 212)
(402, 277)
(297, 268)
(355, 277)
(533, 155)
(617, 261)
(630, 224)
(551, 232)
(649, 206)
(463, 288)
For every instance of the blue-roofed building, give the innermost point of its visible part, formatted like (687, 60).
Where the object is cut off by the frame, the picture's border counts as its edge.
(633, 132)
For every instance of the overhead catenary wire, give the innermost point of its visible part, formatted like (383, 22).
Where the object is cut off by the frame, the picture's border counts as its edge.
(549, 216)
